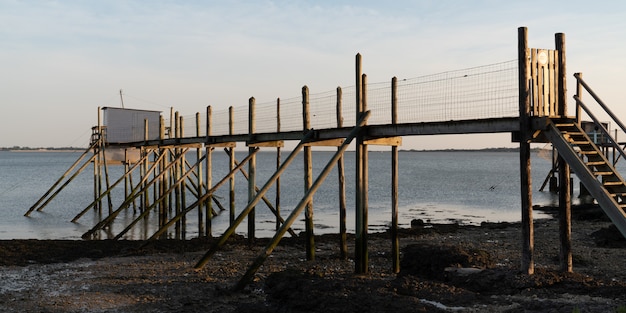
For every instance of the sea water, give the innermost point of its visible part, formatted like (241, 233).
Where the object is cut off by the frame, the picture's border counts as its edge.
(465, 187)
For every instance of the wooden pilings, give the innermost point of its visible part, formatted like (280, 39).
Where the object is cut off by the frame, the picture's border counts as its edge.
(278, 161)
(361, 178)
(251, 169)
(395, 243)
(231, 194)
(527, 263)
(308, 178)
(565, 197)
(341, 185)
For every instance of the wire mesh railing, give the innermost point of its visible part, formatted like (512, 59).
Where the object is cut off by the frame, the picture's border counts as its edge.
(489, 91)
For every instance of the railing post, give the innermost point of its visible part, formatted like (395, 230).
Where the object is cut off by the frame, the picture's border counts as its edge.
(528, 240)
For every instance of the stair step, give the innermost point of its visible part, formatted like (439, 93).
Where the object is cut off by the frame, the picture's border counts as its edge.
(595, 163)
(603, 173)
(612, 183)
(595, 158)
(588, 151)
(559, 125)
(587, 146)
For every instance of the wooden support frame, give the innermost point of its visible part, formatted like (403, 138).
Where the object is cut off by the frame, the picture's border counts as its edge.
(390, 141)
(270, 144)
(247, 277)
(336, 142)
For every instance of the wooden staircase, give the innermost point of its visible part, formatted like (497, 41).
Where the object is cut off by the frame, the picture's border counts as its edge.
(592, 168)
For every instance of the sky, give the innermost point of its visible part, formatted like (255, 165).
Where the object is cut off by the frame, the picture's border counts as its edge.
(61, 60)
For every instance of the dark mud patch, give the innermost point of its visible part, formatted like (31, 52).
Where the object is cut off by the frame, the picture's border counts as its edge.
(25, 252)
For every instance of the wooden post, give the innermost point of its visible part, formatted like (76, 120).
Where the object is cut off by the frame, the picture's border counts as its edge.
(155, 187)
(96, 162)
(528, 240)
(251, 168)
(177, 190)
(200, 186)
(126, 177)
(395, 242)
(183, 184)
(278, 156)
(171, 131)
(209, 173)
(106, 178)
(231, 195)
(361, 253)
(565, 202)
(343, 240)
(164, 179)
(146, 193)
(308, 178)
(579, 94)
(365, 183)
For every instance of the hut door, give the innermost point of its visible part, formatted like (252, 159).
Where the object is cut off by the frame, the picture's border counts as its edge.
(543, 82)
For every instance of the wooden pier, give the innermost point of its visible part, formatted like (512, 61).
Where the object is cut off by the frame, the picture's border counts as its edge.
(525, 97)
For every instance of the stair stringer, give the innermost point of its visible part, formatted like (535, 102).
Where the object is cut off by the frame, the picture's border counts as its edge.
(608, 204)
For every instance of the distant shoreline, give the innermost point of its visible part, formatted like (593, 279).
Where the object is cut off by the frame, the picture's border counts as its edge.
(75, 149)
(43, 150)
(469, 150)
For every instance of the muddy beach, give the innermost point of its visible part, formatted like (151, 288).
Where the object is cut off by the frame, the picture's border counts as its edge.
(445, 268)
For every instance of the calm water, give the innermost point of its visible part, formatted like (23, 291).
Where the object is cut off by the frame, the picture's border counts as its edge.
(463, 187)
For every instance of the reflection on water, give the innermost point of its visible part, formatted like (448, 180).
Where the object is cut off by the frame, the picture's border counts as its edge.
(440, 187)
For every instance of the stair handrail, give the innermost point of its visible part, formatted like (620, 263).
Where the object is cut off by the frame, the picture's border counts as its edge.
(580, 104)
(601, 127)
(606, 109)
